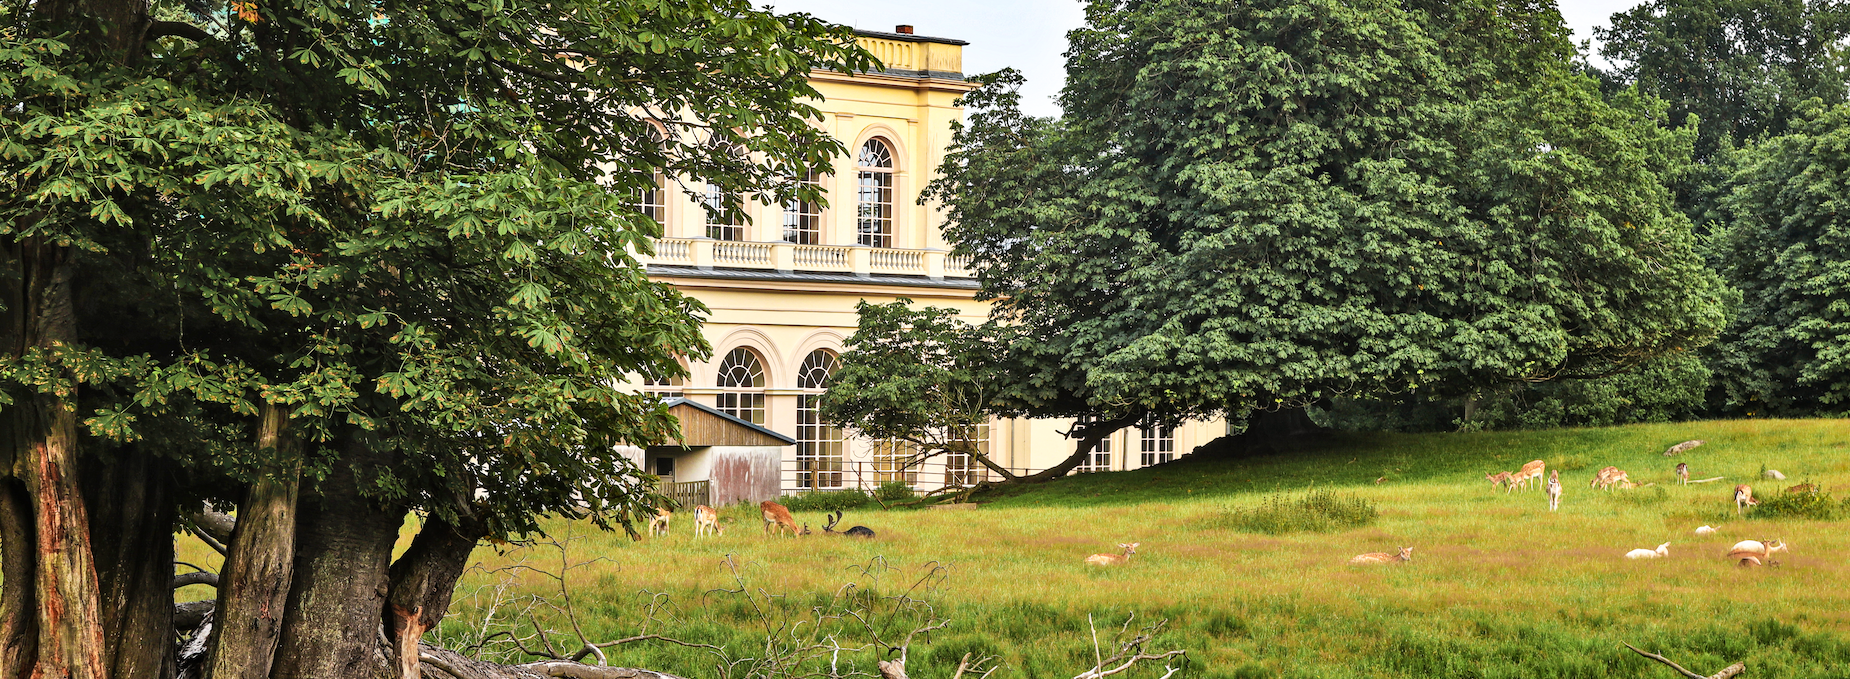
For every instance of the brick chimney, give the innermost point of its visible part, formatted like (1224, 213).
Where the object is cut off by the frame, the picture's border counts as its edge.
(905, 29)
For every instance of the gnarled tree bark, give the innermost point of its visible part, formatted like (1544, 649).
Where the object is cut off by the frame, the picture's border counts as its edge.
(19, 628)
(132, 516)
(254, 584)
(423, 580)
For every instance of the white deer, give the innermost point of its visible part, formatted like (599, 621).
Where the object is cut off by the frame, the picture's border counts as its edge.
(1662, 551)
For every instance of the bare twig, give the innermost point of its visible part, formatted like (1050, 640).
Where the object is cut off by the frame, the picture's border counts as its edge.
(1726, 672)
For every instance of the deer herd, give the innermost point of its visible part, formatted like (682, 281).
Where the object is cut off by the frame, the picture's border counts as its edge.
(1747, 553)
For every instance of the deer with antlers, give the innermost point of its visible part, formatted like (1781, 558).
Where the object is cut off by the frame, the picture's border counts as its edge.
(1743, 498)
(706, 520)
(1130, 550)
(828, 529)
(777, 518)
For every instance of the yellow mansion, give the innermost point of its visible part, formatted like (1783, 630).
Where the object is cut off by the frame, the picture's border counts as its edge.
(783, 285)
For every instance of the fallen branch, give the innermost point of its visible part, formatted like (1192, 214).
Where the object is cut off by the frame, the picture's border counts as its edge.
(590, 648)
(195, 578)
(1726, 673)
(1718, 478)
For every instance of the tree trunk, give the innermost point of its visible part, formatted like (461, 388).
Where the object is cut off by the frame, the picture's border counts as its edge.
(342, 571)
(423, 581)
(1090, 434)
(19, 629)
(254, 584)
(41, 322)
(132, 520)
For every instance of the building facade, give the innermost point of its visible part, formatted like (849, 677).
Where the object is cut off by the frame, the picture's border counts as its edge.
(782, 286)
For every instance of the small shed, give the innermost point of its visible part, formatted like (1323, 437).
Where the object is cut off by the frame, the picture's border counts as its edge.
(730, 459)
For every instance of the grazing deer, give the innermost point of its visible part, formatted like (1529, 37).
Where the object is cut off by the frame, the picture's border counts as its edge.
(706, 520)
(1743, 498)
(658, 524)
(1705, 530)
(1529, 472)
(1406, 554)
(1498, 479)
(1683, 473)
(777, 517)
(1612, 476)
(1682, 447)
(855, 532)
(1130, 550)
(1662, 551)
(1554, 490)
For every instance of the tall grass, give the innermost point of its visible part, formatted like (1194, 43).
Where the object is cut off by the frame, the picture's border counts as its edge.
(1319, 511)
(1500, 587)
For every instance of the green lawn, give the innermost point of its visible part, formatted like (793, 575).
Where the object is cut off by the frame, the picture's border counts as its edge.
(1499, 587)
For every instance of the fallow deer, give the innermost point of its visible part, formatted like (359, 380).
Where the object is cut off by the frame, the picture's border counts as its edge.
(1743, 498)
(1705, 530)
(1498, 479)
(1554, 490)
(1682, 447)
(777, 517)
(658, 524)
(1683, 473)
(706, 520)
(1529, 472)
(1130, 550)
(1612, 476)
(1662, 551)
(1802, 488)
(1756, 549)
(1406, 554)
(855, 532)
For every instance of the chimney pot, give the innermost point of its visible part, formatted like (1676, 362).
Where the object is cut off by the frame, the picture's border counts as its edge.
(903, 28)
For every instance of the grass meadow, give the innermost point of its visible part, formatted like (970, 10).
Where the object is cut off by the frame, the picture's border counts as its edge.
(1498, 587)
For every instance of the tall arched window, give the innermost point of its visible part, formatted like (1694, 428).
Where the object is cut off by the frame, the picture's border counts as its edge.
(874, 212)
(803, 218)
(741, 374)
(722, 225)
(819, 446)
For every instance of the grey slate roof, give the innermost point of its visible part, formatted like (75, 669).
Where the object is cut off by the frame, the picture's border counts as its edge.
(809, 276)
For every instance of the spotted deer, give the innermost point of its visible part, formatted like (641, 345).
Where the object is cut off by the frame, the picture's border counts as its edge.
(1554, 490)
(706, 520)
(1130, 550)
(1498, 479)
(1529, 472)
(777, 518)
(1743, 498)
(1683, 473)
(1406, 554)
(1610, 477)
(658, 524)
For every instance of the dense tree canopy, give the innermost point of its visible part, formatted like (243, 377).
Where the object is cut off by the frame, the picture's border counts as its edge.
(330, 263)
(1264, 205)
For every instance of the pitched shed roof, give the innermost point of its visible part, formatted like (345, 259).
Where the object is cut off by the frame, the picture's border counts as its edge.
(702, 425)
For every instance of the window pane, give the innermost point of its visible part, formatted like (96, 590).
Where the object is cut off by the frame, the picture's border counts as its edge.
(874, 214)
(721, 226)
(803, 219)
(1158, 444)
(653, 201)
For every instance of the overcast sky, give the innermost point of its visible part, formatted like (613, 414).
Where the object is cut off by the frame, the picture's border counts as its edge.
(1030, 35)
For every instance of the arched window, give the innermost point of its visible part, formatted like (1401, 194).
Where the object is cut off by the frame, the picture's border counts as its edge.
(721, 224)
(741, 374)
(819, 446)
(803, 218)
(655, 383)
(874, 212)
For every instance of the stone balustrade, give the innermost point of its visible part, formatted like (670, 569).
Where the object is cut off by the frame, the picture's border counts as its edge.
(860, 260)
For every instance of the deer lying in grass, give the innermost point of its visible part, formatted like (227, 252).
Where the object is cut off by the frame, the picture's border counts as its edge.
(706, 520)
(1406, 554)
(1683, 473)
(1743, 498)
(1802, 488)
(1756, 549)
(1498, 479)
(855, 532)
(658, 524)
(1705, 530)
(1662, 551)
(1130, 550)
(1554, 490)
(777, 517)
(1529, 472)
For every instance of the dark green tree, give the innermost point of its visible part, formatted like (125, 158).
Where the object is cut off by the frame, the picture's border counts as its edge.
(332, 263)
(1260, 206)
(1785, 242)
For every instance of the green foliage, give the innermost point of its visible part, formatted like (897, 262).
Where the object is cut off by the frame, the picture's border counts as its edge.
(1786, 245)
(1812, 505)
(826, 501)
(1668, 389)
(922, 376)
(1263, 205)
(1318, 511)
(1744, 68)
(894, 491)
